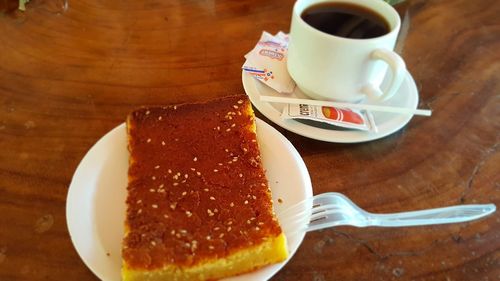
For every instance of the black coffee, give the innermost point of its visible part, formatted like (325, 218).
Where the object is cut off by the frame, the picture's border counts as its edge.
(346, 20)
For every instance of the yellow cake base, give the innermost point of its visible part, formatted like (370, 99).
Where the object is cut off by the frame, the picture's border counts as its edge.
(272, 250)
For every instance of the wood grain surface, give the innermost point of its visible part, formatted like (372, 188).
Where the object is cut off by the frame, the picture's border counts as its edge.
(71, 71)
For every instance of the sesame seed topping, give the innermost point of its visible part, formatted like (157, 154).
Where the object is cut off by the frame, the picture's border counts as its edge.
(233, 125)
(216, 228)
(193, 169)
(239, 112)
(169, 171)
(175, 184)
(249, 222)
(215, 170)
(148, 140)
(235, 106)
(246, 202)
(209, 237)
(260, 223)
(212, 198)
(172, 206)
(175, 177)
(229, 222)
(139, 211)
(188, 214)
(220, 164)
(147, 112)
(195, 159)
(218, 128)
(153, 178)
(240, 101)
(226, 150)
(228, 129)
(231, 204)
(211, 247)
(162, 143)
(184, 193)
(138, 201)
(154, 206)
(198, 173)
(175, 107)
(172, 232)
(215, 210)
(165, 216)
(240, 175)
(206, 189)
(161, 186)
(186, 176)
(229, 229)
(221, 235)
(152, 190)
(254, 197)
(183, 231)
(153, 243)
(159, 118)
(257, 228)
(157, 167)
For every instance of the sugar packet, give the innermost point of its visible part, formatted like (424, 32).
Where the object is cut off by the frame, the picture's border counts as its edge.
(341, 117)
(267, 62)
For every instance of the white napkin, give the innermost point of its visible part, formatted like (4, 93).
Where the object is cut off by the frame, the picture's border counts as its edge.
(267, 62)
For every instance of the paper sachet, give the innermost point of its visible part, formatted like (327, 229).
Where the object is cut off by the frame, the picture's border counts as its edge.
(267, 62)
(342, 117)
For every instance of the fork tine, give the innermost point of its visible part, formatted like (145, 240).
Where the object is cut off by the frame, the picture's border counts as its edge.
(303, 210)
(299, 209)
(325, 213)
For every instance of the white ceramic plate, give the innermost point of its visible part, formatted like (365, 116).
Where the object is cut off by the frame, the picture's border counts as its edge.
(387, 123)
(95, 207)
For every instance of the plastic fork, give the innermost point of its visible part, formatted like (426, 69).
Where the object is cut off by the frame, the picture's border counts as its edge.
(333, 209)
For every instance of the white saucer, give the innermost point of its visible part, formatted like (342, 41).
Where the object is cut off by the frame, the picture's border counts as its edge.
(95, 206)
(387, 123)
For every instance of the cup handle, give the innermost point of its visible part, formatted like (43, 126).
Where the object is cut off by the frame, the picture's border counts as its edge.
(398, 68)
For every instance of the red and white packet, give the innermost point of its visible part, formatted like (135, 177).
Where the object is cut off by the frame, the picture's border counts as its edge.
(342, 117)
(267, 62)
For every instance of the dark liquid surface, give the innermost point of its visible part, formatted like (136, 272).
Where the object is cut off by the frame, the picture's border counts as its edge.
(346, 20)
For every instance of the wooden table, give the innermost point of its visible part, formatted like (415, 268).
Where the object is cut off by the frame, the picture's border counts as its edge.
(69, 74)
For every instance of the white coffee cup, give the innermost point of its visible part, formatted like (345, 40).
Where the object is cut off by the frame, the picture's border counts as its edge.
(328, 67)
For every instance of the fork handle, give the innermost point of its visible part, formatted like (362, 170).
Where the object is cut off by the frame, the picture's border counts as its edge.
(432, 216)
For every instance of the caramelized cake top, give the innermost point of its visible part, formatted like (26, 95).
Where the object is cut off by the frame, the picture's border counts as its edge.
(197, 189)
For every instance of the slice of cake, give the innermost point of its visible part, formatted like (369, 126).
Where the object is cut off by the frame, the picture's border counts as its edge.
(199, 206)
